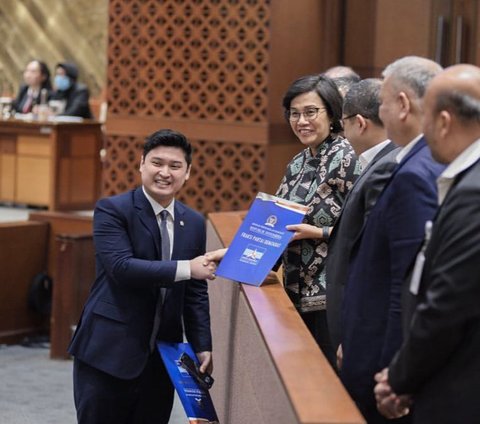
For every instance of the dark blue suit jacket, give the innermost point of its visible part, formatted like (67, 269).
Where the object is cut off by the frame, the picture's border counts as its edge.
(115, 327)
(392, 234)
(355, 210)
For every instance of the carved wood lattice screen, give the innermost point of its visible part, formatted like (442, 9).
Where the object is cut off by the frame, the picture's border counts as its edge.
(182, 60)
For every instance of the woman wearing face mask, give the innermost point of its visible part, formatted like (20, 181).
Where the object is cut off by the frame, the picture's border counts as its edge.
(75, 95)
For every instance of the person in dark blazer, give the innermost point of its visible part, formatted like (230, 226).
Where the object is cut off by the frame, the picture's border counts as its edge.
(438, 364)
(391, 235)
(138, 297)
(36, 78)
(366, 133)
(74, 94)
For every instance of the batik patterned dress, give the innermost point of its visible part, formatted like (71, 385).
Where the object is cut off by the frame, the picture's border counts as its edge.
(321, 182)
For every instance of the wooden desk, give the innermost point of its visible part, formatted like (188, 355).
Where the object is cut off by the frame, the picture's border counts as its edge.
(56, 165)
(75, 274)
(23, 252)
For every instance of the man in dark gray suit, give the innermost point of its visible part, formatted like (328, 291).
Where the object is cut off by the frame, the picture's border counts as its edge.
(438, 364)
(365, 132)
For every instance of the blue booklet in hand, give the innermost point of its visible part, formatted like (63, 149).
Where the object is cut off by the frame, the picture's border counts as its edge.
(193, 393)
(261, 239)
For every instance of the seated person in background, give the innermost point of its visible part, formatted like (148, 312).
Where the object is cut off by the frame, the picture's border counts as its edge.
(343, 77)
(75, 95)
(36, 77)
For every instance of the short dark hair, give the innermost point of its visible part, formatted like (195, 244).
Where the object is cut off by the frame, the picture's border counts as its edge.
(363, 99)
(326, 90)
(464, 106)
(168, 138)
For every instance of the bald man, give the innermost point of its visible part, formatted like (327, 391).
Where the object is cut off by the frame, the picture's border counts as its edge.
(343, 77)
(438, 363)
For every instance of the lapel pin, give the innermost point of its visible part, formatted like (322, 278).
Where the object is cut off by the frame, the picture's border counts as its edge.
(181, 224)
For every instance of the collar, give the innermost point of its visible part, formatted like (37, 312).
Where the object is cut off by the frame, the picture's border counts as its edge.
(32, 92)
(320, 148)
(406, 150)
(462, 162)
(367, 156)
(157, 207)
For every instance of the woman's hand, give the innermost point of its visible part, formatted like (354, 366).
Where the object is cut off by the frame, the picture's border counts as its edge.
(305, 231)
(216, 255)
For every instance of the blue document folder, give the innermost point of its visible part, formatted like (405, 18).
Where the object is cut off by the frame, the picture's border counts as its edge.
(261, 239)
(196, 401)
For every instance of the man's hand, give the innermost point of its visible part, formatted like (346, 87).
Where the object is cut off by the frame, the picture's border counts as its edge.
(305, 231)
(216, 255)
(389, 404)
(202, 269)
(206, 361)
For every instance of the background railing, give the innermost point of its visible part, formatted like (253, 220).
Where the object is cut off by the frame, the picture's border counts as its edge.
(268, 368)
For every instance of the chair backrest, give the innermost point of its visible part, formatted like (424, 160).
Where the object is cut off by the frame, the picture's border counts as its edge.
(98, 106)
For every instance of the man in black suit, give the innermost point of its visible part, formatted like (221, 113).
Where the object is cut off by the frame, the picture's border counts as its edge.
(438, 364)
(365, 132)
(150, 282)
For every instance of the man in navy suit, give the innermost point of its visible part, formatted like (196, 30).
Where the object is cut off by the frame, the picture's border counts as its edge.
(371, 322)
(150, 276)
(366, 133)
(439, 362)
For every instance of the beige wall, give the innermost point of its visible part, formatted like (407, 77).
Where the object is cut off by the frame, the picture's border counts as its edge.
(53, 31)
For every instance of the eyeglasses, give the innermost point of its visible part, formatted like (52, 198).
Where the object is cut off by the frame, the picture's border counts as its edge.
(309, 114)
(348, 117)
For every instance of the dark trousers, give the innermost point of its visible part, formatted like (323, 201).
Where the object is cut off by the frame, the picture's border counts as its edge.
(316, 322)
(103, 399)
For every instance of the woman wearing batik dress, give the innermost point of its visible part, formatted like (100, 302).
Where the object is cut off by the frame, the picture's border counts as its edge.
(320, 177)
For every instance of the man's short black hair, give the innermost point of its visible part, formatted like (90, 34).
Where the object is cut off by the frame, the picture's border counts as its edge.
(363, 98)
(168, 138)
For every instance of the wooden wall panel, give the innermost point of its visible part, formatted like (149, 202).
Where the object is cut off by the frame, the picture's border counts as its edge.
(224, 175)
(377, 32)
(189, 59)
(215, 70)
(19, 241)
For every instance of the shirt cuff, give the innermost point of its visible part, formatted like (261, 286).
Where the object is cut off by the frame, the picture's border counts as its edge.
(183, 271)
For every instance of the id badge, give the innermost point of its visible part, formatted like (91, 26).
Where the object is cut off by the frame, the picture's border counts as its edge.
(417, 273)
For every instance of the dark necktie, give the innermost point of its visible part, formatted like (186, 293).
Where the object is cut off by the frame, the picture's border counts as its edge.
(28, 103)
(164, 236)
(161, 293)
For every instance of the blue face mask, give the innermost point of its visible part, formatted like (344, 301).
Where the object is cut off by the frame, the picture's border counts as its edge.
(62, 82)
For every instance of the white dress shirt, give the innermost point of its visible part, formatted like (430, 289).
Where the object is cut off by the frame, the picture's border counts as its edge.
(183, 267)
(406, 150)
(367, 156)
(463, 161)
